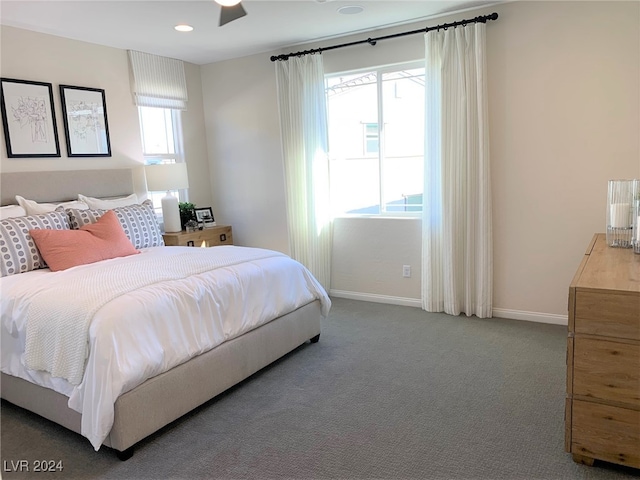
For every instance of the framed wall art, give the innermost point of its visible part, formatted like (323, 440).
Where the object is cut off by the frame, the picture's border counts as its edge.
(28, 118)
(85, 121)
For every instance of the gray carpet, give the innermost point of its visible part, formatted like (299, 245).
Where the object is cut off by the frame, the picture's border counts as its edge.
(389, 392)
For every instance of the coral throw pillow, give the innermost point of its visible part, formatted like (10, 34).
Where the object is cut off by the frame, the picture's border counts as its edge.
(63, 249)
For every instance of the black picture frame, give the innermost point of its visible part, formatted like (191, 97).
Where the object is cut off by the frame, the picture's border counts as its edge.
(202, 213)
(28, 118)
(86, 126)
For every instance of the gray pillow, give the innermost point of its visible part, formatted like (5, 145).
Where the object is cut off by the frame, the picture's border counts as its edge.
(139, 223)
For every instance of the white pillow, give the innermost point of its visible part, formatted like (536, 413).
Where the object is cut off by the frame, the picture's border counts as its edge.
(11, 211)
(109, 204)
(34, 208)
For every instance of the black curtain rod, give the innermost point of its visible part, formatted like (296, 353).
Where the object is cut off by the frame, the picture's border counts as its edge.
(373, 41)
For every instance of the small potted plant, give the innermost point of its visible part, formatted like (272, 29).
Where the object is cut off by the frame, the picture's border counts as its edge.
(186, 213)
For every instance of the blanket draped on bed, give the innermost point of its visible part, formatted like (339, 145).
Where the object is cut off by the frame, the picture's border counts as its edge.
(57, 331)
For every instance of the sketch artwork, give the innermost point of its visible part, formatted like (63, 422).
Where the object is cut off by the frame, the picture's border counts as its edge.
(28, 118)
(85, 121)
(31, 112)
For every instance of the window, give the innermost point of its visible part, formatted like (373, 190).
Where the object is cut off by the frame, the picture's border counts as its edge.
(371, 139)
(376, 140)
(161, 143)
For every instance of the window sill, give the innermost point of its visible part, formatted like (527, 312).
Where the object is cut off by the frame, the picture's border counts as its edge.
(379, 217)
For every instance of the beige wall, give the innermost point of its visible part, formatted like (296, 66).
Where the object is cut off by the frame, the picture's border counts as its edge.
(40, 57)
(243, 136)
(564, 82)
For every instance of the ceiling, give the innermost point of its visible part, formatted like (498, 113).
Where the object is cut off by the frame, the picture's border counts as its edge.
(147, 26)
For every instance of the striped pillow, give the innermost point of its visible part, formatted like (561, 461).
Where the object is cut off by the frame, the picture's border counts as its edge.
(139, 223)
(17, 247)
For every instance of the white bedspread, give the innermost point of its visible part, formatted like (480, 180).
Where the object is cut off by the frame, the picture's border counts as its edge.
(57, 332)
(137, 333)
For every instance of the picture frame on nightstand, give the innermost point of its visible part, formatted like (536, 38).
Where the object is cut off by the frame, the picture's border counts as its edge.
(204, 217)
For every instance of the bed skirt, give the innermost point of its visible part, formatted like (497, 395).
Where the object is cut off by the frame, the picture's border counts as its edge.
(166, 397)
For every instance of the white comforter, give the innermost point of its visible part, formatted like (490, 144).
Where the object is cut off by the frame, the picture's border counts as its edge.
(138, 333)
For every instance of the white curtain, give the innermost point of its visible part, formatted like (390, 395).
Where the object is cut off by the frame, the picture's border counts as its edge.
(303, 123)
(457, 256)
(158, 81)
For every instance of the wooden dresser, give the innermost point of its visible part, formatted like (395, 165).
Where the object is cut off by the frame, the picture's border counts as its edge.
(602, 410)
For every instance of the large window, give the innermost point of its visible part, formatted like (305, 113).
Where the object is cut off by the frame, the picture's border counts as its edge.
(161, 143)
(376, 140)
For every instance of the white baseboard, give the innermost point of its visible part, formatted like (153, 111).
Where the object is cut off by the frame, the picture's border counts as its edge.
(372, 297)
(416, 302)
(531, 316)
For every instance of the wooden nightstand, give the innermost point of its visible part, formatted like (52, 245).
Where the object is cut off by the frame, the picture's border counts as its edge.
(209, 237)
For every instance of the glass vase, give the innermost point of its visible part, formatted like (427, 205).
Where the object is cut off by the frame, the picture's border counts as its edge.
(635, 236)
(620, 207)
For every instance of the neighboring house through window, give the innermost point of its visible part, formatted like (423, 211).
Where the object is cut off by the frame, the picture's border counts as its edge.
(371, 139)
(376, 140)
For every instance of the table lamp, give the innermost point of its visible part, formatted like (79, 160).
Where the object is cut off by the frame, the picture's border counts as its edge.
(167, 177)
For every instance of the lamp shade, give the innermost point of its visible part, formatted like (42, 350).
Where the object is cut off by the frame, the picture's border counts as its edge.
(167, 176)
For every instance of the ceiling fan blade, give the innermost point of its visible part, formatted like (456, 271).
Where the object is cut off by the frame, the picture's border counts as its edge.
(229, 14)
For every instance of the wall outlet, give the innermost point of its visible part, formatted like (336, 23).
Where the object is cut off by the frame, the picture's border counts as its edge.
(406, 271)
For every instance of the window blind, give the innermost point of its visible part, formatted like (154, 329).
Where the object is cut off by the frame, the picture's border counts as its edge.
(158, 81)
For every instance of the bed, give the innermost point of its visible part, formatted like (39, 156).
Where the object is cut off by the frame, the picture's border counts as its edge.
(151, 348)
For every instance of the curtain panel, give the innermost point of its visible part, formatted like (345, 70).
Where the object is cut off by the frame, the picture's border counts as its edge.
(457, 247)
(303, 125)
(158, 81)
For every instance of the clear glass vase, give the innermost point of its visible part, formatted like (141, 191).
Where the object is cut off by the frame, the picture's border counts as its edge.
(635, 236)
(620, 208)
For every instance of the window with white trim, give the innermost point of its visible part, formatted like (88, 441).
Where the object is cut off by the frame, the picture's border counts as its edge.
(376, 140)
(371, 139)
(161, 132)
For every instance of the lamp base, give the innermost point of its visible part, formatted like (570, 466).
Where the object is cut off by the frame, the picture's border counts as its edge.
(171, 214)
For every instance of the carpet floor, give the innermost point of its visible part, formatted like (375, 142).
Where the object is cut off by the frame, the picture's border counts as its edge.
(389, 392)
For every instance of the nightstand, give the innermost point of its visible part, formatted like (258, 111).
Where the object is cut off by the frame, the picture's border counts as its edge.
(208, 237)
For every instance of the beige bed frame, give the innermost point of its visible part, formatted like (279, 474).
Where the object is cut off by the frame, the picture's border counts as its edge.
(166, 397)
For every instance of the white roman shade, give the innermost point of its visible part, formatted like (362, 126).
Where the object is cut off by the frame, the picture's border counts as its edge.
(158, 81)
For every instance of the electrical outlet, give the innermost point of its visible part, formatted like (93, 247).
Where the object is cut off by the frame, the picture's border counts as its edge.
(406, 271)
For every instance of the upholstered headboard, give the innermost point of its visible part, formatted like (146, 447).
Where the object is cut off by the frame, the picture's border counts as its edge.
(66, 185)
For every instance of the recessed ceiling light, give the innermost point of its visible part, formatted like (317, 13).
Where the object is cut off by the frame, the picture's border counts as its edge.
(350, 9)
(183, 28)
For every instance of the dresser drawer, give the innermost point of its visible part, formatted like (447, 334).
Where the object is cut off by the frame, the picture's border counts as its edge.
(607, 370)
(608, 433)
(608, 313)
